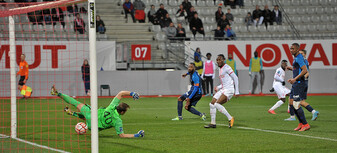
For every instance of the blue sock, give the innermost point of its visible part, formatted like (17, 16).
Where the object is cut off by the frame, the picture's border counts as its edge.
(131, 93)
(298, 117)
(194, 111)
(292, 110)
(309, 108)
(301, 115)
(180, 108)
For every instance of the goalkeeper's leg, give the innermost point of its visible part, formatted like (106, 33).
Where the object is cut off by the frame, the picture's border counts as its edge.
(76, 114)
(65, 97)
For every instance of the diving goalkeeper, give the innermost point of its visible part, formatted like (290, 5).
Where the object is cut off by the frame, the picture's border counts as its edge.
(107, 117)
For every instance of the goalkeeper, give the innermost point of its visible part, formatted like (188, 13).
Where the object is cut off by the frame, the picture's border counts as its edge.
(107, 117)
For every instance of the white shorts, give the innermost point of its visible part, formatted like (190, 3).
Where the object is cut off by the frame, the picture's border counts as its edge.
(280, 90)
(227, 92)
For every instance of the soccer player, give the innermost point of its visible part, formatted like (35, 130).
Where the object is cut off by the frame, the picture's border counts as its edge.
(209, 73)
(224, 91)
(278, 86)
(297, 93)
(23, 72)
(255, 67)
(304, 103)
(192, 96)
(107, 117)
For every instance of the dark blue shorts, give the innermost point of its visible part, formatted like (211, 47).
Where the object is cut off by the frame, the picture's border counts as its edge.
(306, 89)
(194, 99)
(298, 91)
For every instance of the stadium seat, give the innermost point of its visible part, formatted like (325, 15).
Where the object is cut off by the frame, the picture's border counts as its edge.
(156, 28)
(163, 1)
(235, 28)
(282, 28)
(272, 29)
(333, 18)
(209, 11)
(291, 11)
(312, 27)
(174, 20)
(210, 3)
(319, 10)
(248, 3)
(331, 27)
(170, 11)
(239, 20)
(321, 27)
(105, 87)
(212, 27)
(243, 29)
(305, 19)
(193, 2)
(329, 10)
(201, 3)
(162, 46)
(333, 2)
(314, 2)
(161, 36)
(300, 11)
(324, 2)
(207, 29)
(295, 19)
(310, 10)
(295, 2)
(325, 18)
(187, 29)
(49, 28)
(202, 11)
(173, 3)
(261, 29)
(253, 29)
(302, 28)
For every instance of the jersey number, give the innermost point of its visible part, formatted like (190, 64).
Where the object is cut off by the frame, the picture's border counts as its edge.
(107, 120)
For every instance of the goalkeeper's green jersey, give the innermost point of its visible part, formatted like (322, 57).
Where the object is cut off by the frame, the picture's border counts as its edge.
(109, 117)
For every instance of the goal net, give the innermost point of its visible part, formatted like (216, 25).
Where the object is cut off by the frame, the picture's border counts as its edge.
(52, 36)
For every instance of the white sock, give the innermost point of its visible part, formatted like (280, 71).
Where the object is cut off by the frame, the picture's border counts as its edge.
(223, 110)
(313, 111)
(292, 116)
(277, 105)
(212, 112)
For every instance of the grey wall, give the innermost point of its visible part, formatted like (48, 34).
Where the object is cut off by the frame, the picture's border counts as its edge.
(152, 82)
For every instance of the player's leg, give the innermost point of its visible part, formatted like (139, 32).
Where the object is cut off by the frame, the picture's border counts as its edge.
(76, 114)
(207, 85)
(180, 107)
(307, 105)
(291, 106)
(212, 111)
(281, 96)
(225, 96)
(251, 82)
(258, 82)
(299, 95)
(193, 102)
(65, 97)
(211, 82)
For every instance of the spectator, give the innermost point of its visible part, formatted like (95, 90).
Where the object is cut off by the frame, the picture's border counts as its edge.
(161, 12)
(86, 76)
(218, 33)
(151, 15)
(72, 9)
(223, 22)
(249, 19)
(255, 67)
(79, 25)
(58, 16)
(171, 31)
(257, 16)
(240, 3)
(128, 8)
(268, 16)
(181, 33)
(218, 14)
(100, 26)
(197, 53)
(139, 7)
(187, 5)
(190, 14)
(165, 22)
(181, 14)
(232, 3)
(196, 25)
(277, 15)
(47, 16)
(35, 17)
(229, 16)
(229, 33)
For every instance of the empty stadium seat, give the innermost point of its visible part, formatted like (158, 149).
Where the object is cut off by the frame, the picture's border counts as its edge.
(315, 18)
(302, 28)
(304, 2)
(187, 29)
(333, 2)
(295, 2)
(201, 3)
(321, 27)
(272, 29)
(305, 19)
(161, 36)
(207, 29)
(325, 18)
(324, 2)
(329, 10)
(314, 2)
(252, 29)
(243, 29)
(156, 28)
(319, 10)
(239, 20)
(310, 10)
(331, 27)
(300, 10)
(210, 3)
(193, 2)
(333, 18)
(173, 3)
(261, 29)
(290, 11)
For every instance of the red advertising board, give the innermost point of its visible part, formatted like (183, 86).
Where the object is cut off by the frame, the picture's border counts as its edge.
(141, 52)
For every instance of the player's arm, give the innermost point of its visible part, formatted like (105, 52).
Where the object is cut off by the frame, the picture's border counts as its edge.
(134, 95)
(250, 66)
(121, 134)
(236, 81)
(278, 77)
(214, 69)
(303, 72)
(306, 75)
(289, 68)
(235, 67)
(203, 70)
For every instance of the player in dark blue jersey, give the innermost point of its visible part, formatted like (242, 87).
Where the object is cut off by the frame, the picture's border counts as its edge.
(297, 93)
(192, 96)
(304, 103)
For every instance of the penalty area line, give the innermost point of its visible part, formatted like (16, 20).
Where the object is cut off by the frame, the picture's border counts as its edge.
(35, 144)
(284, 133)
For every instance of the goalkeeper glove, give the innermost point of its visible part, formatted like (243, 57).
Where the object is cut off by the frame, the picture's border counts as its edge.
(134, 95)
(139, 134)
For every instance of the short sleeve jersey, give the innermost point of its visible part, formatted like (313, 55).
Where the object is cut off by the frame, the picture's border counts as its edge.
(297, 64)
(109, 117)
(195, 79)
(224, 74)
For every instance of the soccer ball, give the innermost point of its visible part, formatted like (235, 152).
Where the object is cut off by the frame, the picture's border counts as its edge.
(81, 128)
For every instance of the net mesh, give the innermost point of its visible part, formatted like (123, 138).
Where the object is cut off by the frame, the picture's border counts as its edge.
(54, 38)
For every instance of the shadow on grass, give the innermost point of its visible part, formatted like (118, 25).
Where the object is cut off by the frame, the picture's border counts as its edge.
(132, 147)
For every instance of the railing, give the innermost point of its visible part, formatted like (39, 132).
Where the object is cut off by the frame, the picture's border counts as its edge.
(285, 16)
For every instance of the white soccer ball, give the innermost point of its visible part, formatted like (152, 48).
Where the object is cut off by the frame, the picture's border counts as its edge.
(81, 128)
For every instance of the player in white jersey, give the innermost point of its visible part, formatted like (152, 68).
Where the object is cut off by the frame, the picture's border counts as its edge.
(224, 91)
(278, 86)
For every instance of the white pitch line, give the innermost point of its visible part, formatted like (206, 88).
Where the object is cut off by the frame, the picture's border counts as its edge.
(285, 133)
(35, 144)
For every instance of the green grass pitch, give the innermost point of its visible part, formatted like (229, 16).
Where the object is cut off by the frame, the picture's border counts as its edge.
(254, 129)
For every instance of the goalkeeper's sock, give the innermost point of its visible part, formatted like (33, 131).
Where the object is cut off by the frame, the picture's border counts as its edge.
(79, 115)
(223, 110)
(180, 108)
(212, 112)
(194, 111)
(68, 99)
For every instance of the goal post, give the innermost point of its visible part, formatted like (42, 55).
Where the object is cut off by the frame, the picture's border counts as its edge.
(12, 57)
